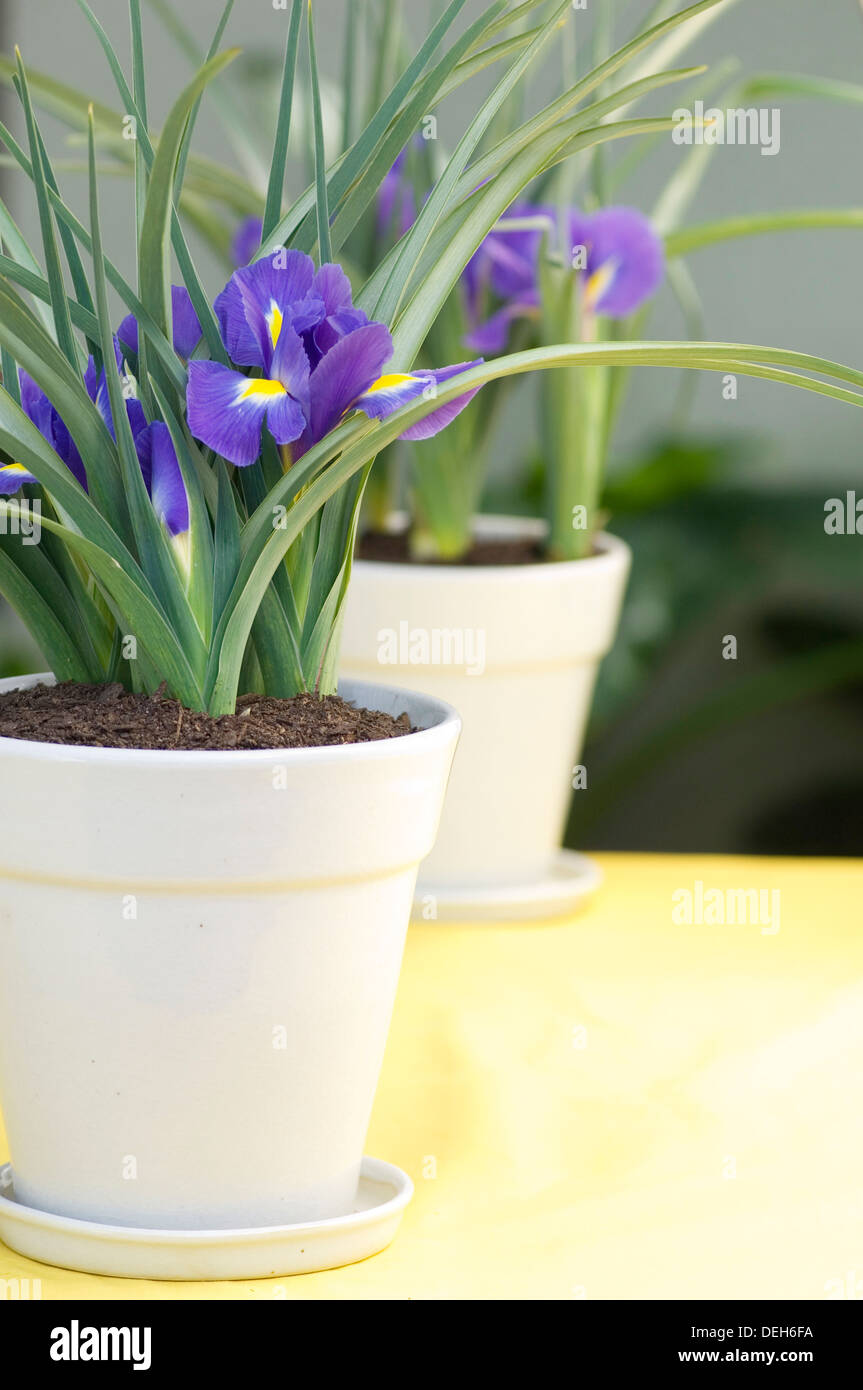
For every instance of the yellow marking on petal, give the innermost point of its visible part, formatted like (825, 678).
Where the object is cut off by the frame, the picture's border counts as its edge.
(13, 468)
(384, 383)
(274, 319)
(598, 283)
(263, 387)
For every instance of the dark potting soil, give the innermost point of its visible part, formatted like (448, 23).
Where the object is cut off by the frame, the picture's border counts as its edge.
(108, 716)
(394, 547)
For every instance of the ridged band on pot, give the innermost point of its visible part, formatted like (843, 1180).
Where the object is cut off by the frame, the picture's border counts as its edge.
(200, 955)
(516, 649)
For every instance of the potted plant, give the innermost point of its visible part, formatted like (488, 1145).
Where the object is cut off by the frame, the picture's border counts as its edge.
(486, 632)
(508, 618)
(209, 868)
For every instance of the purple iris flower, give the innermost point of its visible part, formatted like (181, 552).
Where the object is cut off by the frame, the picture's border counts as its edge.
(616, 251)
(161, 470)
(319, 357)
(340, 316)
(153, 446)
(38, 408)
(187, 329)
(13, 476)
(625, 259)
(396, 205)
(246, 240)
(45, 417)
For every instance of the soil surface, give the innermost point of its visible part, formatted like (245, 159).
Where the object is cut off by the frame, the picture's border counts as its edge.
(394, 547)
(108, 716)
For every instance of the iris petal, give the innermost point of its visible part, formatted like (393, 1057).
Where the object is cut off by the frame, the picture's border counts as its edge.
(163, 477)
(338, 317)
(128, 334)
(39, 409)
(390, 393)
(12, 477)
(168, 489)
(625, 258)
(226, 411)
(285, 419)
(334, 288)
(247, 240)
(187, 327)
(490, 338)
(335, 327)
(222, 415)
(347, 370)
(245, 308)
(290, 366)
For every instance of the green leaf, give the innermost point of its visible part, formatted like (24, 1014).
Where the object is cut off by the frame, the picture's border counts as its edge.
(167, 357)
(276, 627)
(138, 615)
(433, 210)
(139, 81)
(59, 304)
(37, 285)
(121, 579)
(156, 559)
(73, 256)
(690, 239)
(276, 183)
(677, 39)
(351, 166)
(199, 579)
(350, 55)
(227, 543)
(325, 250)
(154, 250)
(770, 85)
(61, 100)
(516, 16)
(476, 63)
(92, 617)
(185, 148)
(29, 344)
(36, 563)
(481, 173)
(463, 232)
(242, 134)
(401, 131)
(263, 558)
(130, 103)
(20, 252)
(40, 616)
(330, 579)
(9, 373)
(556, 111)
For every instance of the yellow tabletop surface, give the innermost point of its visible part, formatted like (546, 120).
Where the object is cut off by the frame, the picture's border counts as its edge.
(623, 1104)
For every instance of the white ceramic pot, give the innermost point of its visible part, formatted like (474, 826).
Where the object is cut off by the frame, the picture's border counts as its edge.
(516, 650)
(198, 960)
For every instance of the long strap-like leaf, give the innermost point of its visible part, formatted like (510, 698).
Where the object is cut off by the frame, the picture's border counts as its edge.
(261, 563)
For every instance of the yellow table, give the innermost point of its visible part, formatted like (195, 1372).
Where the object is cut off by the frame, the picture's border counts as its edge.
(617, 1106)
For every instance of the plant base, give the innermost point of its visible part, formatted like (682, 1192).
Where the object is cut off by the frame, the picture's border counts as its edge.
(261, 1253)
